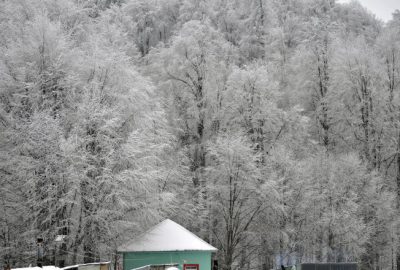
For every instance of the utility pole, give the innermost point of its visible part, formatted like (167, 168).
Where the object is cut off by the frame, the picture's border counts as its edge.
(40, 248)
(117, 261)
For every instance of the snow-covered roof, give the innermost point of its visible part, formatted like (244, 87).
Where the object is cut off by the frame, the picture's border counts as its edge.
(167, 236)
(83, 264)
(48, 267)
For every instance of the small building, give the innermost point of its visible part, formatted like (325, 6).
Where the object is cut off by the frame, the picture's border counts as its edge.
(327, 266)
(165, 244)
(322, 266)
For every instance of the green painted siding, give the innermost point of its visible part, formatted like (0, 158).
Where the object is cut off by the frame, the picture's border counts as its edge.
(137, 259)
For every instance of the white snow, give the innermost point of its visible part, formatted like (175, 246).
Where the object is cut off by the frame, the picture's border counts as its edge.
(167, 236)
(49, 267)
(172, 268)
(60, 238)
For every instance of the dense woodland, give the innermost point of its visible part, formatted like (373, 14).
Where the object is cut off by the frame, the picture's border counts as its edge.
(270, 128)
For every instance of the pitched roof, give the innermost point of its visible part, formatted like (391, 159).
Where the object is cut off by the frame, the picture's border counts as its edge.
(167, 236)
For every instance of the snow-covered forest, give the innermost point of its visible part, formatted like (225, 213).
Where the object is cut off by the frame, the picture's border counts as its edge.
(270, 128)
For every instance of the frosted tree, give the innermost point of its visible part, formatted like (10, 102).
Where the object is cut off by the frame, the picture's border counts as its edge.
(70, 122)
(358, 76)
(316, 54)
(234, 182)
(250, 105)
(114, 113)
(389, 49)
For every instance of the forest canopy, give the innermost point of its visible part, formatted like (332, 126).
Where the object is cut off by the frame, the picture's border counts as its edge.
(269, 128)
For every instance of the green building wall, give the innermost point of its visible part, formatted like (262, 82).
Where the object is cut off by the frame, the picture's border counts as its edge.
(133, 260)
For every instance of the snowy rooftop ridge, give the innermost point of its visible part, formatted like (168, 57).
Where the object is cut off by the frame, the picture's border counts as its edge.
(167, 236)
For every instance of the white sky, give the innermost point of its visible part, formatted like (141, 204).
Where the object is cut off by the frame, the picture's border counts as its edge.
(383, 9)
